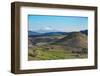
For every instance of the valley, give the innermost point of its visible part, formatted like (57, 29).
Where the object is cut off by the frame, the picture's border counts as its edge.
(57, 45)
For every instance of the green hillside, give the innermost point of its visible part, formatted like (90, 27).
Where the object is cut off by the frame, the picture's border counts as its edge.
(70, 46)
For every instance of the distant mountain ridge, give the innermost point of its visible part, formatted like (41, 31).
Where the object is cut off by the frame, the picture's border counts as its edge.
(84, 32)
(32, 33)
(55, 33)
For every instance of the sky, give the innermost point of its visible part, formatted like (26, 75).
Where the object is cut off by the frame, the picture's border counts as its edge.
(57, 23)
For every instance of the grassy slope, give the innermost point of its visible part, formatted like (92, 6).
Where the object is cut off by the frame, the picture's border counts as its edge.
(52, 54)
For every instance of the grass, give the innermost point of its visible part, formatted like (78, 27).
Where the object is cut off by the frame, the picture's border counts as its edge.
(43, 53)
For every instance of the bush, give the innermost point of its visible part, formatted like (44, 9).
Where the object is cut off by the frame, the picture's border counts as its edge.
(84, 50)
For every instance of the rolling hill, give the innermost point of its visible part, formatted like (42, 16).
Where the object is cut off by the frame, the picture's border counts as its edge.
(68, 46)
(75, 42)
(84, 32)
(32, 33)
(36, 34)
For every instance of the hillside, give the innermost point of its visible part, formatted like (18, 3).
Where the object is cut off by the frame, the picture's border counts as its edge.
(37, 34)
(76, 42)
(75, 39)
(84, 32)
(70, 46)
(32, 33)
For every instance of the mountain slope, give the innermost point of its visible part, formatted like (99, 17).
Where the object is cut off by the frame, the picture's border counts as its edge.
(32, 33)
(35, 34)
(54, 33)
(84, 32)
(75, 39)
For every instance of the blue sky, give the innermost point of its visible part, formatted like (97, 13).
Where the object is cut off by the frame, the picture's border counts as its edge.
(57, 23)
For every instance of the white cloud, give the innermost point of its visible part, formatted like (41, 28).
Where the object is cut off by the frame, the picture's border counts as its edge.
(48, 28)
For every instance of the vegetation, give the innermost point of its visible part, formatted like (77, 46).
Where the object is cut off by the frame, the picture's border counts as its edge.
(44, 53)
(70, 46)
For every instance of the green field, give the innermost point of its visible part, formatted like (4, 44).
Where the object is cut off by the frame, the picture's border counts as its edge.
(52, 52)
